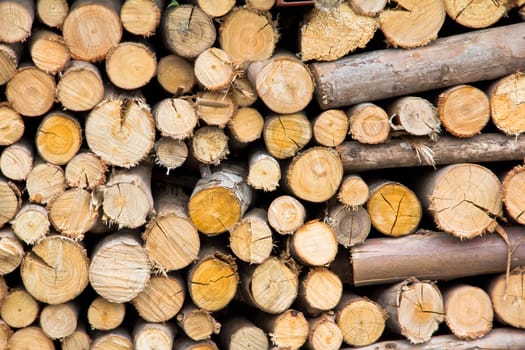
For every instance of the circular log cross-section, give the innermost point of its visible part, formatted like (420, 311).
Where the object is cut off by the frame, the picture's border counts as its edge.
(315, 175)
(264, 171)
(330, 128)
(175, 75)
(314, 244)
(48, 51)
(324, 333)
(31, 223)
(31, 91)
(350, 225)
(197, 324)
(45, 182)
(476, 14)
(30, 338)
(19, 309)
(59, 321)
(17, 20)
(175, 118)
(10, 200)
(320, 290)
(52, 12)
(368, 123)
(513, 187)
(11, 251)
(80, 86)
(9, 58)
(16, 160)
(216, 8)
(246, 125)
(285, 135)
(105, 315)
(288, 330)
(153, 336)
(353, 191)
(251, 239)
(209, 145)
(507, 104)
(116, 340)
(214, 69)
(12, 125)
(286, 214)
(85, 170)
(215, 107)
(131, 65)
(58, 138)
(507, 297)
(415, 115)
(78, 340)
(141, 17)
(240, 334)
(170, 153)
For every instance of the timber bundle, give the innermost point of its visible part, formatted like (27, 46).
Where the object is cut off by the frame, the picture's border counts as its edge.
(254, 174)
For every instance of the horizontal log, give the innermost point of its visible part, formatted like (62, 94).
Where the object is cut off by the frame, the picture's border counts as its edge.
(398, 153)
(475, 56)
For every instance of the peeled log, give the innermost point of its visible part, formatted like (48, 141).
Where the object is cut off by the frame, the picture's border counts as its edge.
(479, 55)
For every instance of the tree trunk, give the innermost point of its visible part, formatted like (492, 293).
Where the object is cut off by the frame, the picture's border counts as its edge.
(214, 69)
(11, 251)
(415, 115)
(52, 12)
(141, 17)
(58, 138)
(92, 28)
(197, 324)
(30, 338)
(119, 280)
(238, 333)
(329, 35)
(118, 339)
(369, 8)
(157, 336)
(55, 270)
(45, 182)
(31, 223)
(209, 145)
(479, 55)
(80, 86)
(464, 199)
(433, 255)
(478, 14)
(287, 330)
(401, 153)
(86, 170)
(506, 101)
(175, 75)
(251, 238)
(286, 214)
(330, 127)
(17, 20)
(506, 293)
(285, 135)
(324, 334)
(215, 107)
(48, 51)
(60, 320)
(264, 171)
(16, 160)
(314, 244)
(170, 153)
(12, 125)
(351, 225)
(104, 315)
(19, 309)
(31, 91)
(10, 202)
(468, 311)
(319, 290)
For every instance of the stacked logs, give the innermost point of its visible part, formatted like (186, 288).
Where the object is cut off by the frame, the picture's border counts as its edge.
(167, 180)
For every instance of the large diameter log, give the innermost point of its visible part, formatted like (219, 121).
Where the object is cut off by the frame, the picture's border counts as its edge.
(479, 55)
(433, 255)
(489, 147)
(506, 293)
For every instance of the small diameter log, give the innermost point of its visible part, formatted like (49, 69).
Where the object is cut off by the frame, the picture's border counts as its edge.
(489, 147)
(12, 125)
(17, 20)
(78, 340)
(48, 51)
(260, 5)
(464, 110)
(394, 209)
(512, 188)
(175, 118)
(283, 83)
(197, 324)
(219, 201)
(271, 286)
(478, 14)
(412, 23)
(131, 65)
(31, 223)
(319, 290)
(59, 321)
(187, 30)
(209, 145)
(156, 336)
(433, 255)
(85, 170)
(324, 334)
(353, 191)
(361, 320)
(170, 153)
(58, 138)
(121, 279)
(73, 213)
(30, 338)
(183, 343)
(55, 270)
(52, 12)
(239, 333)
(162, 298)
(212, 281)
(398, 72)
(464, 199)
(104, 315)
(246, 125)
(215, 107)
(288, 330)
(351, 225)
(120, 130)
(314, 244)
(141, 17)
(415, 115)
(506, 293)
(248, 35)
(5, 334)
(19, 309)
(9, 58)
(369, 8)
(285, 135)
(286, 214)
(92, 28)
(315, 175)
(45, 182)
(242, 92)
(11, 251)
(118, 339)
(330, 128)
(415, 309)
(170, 238)
(215, 9)
(468, 311)
(251, 238)
(214, 69)
(368, 123)
(10, 200)
(175, 75)
(264, 171)
(506, 103)
(31, 91)
(16, 160)
(329, 35)
(80, 86)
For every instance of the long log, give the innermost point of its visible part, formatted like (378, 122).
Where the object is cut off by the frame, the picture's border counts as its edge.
(400, 153)
(434, 256)
(475, 56)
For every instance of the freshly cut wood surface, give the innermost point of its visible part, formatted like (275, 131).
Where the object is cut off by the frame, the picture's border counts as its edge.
(17, 20)
(476, 14)
(415, 115)
(512, 188)
(119, 279)
(238, 333)
(214, 69)
(5, 334)
(11, 251)
(285, 135)
(10, 200)
(30, 338)
(141, 17)
(104, 315)
(48, 51)
(242, 92)
(92, 28)
(78, 340)
(351, 225)
(464, 110)
(175, 118)
(175, 74)
(506, 293)
(45, 182)
(329, 35)
(16, 160)
(288, 330)
(368, 7)
(198, 324)
(314, 244)
(55, 270)
(506, 99)
(215, 8)
(31, 223)
(248, 35)
(324, 333)
(170, 153)
(209, 145)
(368, 123)
(319, 290)
(261, 5)
(330, 127)
(52, 12)
(264, 171)
(353, 191)
(118, 339)
(58, 138)
(286, 214)
(153, 336)
(60, 320)
(12, 125)
(215, 107)
(251, 238)
(85, 170)
(9, 59)
(73, 213)
(19, 309)
(246, 124)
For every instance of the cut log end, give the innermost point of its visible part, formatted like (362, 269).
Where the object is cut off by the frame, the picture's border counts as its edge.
(251, 239)
(31, 223)
(140, 17)
(48, 51)
(290, 330)
(415, 115)
(216, 9)
(353, 191)
(507, 296)
(17, 20)
(16, 160)
(170, 153)
(314, 244)
(214, 69)
(264, 172)
(324, 334)
(330, 128)
(479, 14)
(198, 324)
(286, 214)
(12, 125)
(85, 170)
(368, 123)
(31, 92)
(350, 225)
(320, 290)
(104, 315)
(285, 135)
(59, 321)
(58, 138)
(175, 118)
(19, 309)
(31, 338)
(131, 65)
(11, 251)
(215, 107)
(52, 12)
(512, 187)
(506, 104)
(45, 182)
(246, 125)
(79, 340)
(175, 74)
(80, 86)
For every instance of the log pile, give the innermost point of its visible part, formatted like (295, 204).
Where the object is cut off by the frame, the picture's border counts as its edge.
(253, 175)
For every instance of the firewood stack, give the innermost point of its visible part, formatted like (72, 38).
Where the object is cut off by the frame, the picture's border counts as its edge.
(256, 174)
